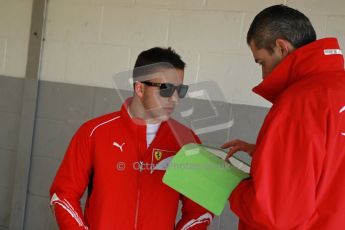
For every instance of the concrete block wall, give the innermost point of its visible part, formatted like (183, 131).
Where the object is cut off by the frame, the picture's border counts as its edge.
(89, 41)
(15, 18)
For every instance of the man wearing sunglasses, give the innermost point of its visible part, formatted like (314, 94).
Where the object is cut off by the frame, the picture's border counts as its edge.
(121, 157)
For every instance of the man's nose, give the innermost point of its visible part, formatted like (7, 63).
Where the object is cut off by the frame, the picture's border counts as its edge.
(174, 97)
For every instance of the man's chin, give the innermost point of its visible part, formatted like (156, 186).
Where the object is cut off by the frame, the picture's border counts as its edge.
(159, 116)
(162, 117)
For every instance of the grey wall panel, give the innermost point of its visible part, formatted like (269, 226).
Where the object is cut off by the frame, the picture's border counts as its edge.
(106, 101)
(228, 220)
(9, 128)
(248, 120)
(65, 101)
(24, 150)
(215, 223)
(5, 201)
(52, 137)
(39, 215)
(11, 93)
(7, 168)
(42, 172)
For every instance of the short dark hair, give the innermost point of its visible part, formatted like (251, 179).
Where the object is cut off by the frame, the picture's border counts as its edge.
(157, 57)
(280, 21)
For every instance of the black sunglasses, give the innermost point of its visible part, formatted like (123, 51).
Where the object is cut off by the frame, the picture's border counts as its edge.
(168, 89)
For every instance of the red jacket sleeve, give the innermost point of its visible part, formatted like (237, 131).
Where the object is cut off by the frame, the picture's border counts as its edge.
(284, 174)
(194, 217)
(71, 181)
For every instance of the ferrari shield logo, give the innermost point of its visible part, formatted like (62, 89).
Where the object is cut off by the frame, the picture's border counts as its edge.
(158, 155)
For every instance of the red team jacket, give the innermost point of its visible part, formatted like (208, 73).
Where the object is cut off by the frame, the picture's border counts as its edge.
(298, 168)
(109, 155)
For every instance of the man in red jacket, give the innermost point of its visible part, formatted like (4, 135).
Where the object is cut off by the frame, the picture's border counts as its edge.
(297, 174)
(121, 158)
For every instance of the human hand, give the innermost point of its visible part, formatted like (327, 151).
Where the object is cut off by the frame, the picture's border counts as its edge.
(238, 145)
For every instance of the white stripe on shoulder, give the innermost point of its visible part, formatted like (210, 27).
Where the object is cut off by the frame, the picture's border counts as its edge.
(203, 218)
(105, 122)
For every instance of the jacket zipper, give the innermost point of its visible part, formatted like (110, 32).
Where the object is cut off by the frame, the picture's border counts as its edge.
(138, 197)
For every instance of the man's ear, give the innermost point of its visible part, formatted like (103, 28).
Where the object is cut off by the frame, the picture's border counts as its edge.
(284, 47)
(139, 89)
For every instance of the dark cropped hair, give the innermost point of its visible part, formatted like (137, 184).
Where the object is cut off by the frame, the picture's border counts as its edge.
(280, 21)
(157, 57)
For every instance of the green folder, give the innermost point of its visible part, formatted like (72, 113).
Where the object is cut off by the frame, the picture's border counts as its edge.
(203, 177)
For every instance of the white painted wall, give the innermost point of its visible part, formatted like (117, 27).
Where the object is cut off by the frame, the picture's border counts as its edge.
(89, 41)
(15, 17)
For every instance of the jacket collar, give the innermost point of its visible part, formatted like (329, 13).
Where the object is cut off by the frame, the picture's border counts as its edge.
(318, 56)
